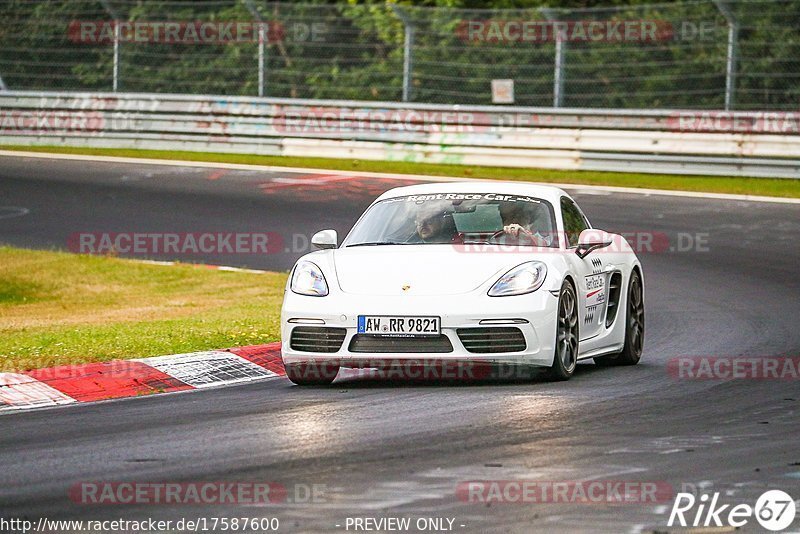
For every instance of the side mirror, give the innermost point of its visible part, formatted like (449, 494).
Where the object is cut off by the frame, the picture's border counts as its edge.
(324, 239)
(591, 239)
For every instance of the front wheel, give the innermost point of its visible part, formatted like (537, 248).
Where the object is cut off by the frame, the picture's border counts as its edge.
(634, 327)
(565, 358)
(312, 373)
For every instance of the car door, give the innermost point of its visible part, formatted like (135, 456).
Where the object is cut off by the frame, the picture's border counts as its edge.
(592, 281)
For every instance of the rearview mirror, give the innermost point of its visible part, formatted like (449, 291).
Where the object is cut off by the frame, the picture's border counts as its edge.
(324, 239)
(591, 239)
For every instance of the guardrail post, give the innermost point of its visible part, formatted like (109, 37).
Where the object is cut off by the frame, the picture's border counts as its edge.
(3, 85)
(408, 62)
(262, 44)
(115, 81)
(559, 61)
(261, 57)
(558, 74)
(408, 51)
(115, 69)
(732, 55)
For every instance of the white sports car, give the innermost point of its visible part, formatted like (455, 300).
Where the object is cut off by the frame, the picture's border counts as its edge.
(478, 272)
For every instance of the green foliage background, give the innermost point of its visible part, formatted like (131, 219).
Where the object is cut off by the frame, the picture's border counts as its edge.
(359, 55)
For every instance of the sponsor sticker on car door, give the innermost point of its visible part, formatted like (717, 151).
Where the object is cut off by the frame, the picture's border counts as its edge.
(595, 289)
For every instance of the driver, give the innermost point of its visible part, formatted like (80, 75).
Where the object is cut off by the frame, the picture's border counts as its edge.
(519, 221)
(434, 226)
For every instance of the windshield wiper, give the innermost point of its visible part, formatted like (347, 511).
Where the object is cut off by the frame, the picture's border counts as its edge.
(374, 243)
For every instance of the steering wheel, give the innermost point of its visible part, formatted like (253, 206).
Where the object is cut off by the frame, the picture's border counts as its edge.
(495, 235)
(522, 233)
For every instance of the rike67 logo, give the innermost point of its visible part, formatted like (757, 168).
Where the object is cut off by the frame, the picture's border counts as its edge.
(774, 510)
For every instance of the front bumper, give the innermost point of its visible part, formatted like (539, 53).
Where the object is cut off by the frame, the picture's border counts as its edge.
(340, 310)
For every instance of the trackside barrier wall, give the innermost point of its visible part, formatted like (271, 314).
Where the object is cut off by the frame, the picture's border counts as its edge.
(651, 141)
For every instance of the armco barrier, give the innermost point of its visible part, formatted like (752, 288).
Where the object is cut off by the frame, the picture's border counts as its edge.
(650, 141)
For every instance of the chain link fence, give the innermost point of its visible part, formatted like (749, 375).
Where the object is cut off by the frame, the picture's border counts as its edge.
(705, 54)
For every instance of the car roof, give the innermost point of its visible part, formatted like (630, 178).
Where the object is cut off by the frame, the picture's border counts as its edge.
(545, 192)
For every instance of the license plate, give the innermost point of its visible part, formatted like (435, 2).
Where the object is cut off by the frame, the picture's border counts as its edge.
(399, 325)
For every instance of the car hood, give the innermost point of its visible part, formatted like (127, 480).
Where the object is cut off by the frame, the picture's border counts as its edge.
(420, 269)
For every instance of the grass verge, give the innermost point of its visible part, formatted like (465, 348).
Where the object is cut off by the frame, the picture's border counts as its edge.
(712, 184)
(58, 308)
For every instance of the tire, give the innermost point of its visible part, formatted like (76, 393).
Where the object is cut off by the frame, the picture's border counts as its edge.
(565, 357)
(634, 327)
(312, 373)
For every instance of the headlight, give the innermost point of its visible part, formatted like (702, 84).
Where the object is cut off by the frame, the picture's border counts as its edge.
(307, 279)
(522, 279)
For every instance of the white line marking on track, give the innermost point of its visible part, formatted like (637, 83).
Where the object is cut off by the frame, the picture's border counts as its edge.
(208, 266)
(418, 177)
(7, 212)
(236, 269)
(321, 179)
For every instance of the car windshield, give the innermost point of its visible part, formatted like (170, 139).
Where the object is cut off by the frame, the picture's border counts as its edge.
(457, 218)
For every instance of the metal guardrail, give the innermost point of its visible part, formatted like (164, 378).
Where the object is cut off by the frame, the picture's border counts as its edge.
(650, 141)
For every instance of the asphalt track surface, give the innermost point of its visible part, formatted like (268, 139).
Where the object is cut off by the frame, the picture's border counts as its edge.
(387, 449)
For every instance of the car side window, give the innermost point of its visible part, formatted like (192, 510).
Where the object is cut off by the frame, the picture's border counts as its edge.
(574, 221)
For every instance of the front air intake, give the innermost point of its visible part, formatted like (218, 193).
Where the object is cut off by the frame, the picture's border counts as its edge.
(317, 338)
(490, 340)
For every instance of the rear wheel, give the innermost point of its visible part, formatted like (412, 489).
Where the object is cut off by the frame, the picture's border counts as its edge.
(312, 373)
(566, 351)
(634, 327)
